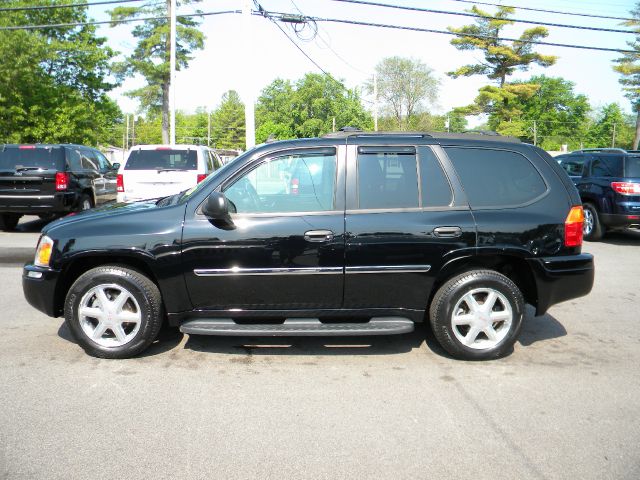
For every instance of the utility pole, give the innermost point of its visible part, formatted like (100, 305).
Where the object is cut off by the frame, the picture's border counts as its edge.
(133, 130)
(126, 143)
(249, 107)
(448, 123)
(172, 73)
(375, 102)
(535, 134)
(208, 128)
(334, 124)
(613, 137)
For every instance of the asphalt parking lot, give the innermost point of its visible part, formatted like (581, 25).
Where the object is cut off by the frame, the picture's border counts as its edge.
(564, 405)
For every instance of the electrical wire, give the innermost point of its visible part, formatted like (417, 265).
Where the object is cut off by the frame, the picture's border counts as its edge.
(456, 34)
(113, 22)
(559, 12)
(69, 5)
(473, 15)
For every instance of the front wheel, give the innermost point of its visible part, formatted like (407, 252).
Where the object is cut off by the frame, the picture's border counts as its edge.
(113, 312)
(477, 315)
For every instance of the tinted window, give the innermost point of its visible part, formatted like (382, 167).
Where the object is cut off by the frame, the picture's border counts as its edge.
(104, 164)
(42, 157)
(88, 159)
(387, 178)
(171, 159)
(73, 157)
(632, 167)
(292, 183)
(573, 164)
(604, 166)
(208, 160)
(436, 191)
(496, 177)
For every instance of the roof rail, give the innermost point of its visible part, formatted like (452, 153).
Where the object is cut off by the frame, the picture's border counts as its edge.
(611, 150)
(484, 132)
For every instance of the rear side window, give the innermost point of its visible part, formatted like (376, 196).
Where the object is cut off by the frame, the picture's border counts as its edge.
(436, 191)
(496, 178)
(170, 159)
(606, 166)
(573, 165)
(387, 178)
(632, 167)
(46, 158)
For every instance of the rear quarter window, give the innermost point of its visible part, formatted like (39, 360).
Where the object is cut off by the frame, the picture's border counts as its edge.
(162, 159)
(632, 167)
(496, 178)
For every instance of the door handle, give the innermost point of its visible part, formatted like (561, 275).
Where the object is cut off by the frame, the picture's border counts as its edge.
(318, 236)
(447, 232)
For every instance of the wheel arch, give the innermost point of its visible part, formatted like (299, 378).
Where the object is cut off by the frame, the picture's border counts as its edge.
(512, 266)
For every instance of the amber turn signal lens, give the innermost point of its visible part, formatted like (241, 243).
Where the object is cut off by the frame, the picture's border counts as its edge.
(43, 252)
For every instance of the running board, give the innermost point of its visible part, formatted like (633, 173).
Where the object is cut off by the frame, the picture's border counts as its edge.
(298, 327)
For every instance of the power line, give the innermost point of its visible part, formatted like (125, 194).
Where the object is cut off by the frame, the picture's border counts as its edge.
(559, 12)
(473, 15)
(69, 5)
(455, 34)
(113, 22)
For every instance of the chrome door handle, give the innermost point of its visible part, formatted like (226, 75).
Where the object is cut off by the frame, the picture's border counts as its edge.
(447, 232)
(318, 236)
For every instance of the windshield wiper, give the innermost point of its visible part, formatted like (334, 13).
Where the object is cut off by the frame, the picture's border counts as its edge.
(160, 169)
(20, 168)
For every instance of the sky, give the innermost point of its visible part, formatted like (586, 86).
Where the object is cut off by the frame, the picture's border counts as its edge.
(350, 53)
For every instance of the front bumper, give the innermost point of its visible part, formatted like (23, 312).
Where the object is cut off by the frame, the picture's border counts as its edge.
(562, 278)
(39, 287)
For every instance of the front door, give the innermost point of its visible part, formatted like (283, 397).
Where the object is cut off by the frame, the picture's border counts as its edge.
(403, 223)
(285, 246)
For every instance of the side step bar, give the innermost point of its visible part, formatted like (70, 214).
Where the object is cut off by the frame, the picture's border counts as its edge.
(298, 327)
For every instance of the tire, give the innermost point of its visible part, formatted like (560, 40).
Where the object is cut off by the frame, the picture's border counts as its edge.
(593, 229)
(118, 332)
(85, 202)
(466, 338)
(9, 221)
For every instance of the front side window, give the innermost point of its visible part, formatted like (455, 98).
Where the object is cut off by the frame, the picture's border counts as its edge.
(89, 161)
(496, 178)
(293, 183)
(387, 178)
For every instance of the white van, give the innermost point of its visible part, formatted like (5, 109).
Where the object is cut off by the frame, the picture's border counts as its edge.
(153, 171)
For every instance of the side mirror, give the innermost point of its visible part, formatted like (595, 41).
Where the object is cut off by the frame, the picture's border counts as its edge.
(216, 207)
(115, 166)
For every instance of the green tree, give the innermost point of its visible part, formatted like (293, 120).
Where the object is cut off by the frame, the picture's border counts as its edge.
(405, 86)
(228, 122)
(150, 58)
(501, 59)
(629, 68)
(554, 115)
(611, 128)
(54, 81)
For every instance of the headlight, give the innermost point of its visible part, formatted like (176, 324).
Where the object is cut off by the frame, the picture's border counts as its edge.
(43, 251)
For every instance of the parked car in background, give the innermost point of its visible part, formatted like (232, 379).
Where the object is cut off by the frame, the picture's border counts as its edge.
(378, 233)
(51, 180)
(153, 171)
(608, 181)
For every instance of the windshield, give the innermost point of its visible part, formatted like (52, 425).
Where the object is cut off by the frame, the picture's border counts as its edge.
(632, 166)
(162, 158)
(46, 158)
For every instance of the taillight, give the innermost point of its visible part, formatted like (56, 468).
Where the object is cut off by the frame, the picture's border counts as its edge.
(626, 188)
(201, 177)
(120, 183)
(573, 227)
(62, 181)
(295, 184)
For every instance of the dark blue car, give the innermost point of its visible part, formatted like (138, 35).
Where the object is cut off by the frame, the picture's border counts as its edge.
(608, 180)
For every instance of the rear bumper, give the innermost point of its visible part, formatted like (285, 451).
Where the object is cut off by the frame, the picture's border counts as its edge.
(562, 278)
(39, 287)
(60, 202)
(620, 221)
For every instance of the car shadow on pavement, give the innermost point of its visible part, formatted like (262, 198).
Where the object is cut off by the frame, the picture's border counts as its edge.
(321, 346)
(622, 238)
(31, 224)
(538, 329)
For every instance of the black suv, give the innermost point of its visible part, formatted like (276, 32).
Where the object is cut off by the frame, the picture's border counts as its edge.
(608, 181)
(51, 180)
(381, 232)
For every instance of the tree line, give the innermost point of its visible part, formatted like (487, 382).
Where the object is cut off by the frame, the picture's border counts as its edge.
(55, 85)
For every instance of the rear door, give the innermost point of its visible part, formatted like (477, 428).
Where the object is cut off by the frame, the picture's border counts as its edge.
(159, 172)
(405, 218)
(27, 175)
(109, 176)
(91, 174)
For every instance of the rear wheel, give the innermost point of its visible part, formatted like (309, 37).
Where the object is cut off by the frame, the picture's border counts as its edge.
(477, 315)
(113, 312)
(593, 230)
(85, 202)
(9, 221)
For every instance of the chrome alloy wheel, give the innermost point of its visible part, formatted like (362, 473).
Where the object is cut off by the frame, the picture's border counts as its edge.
(587, 228)
(109, 315)
(482, 318)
